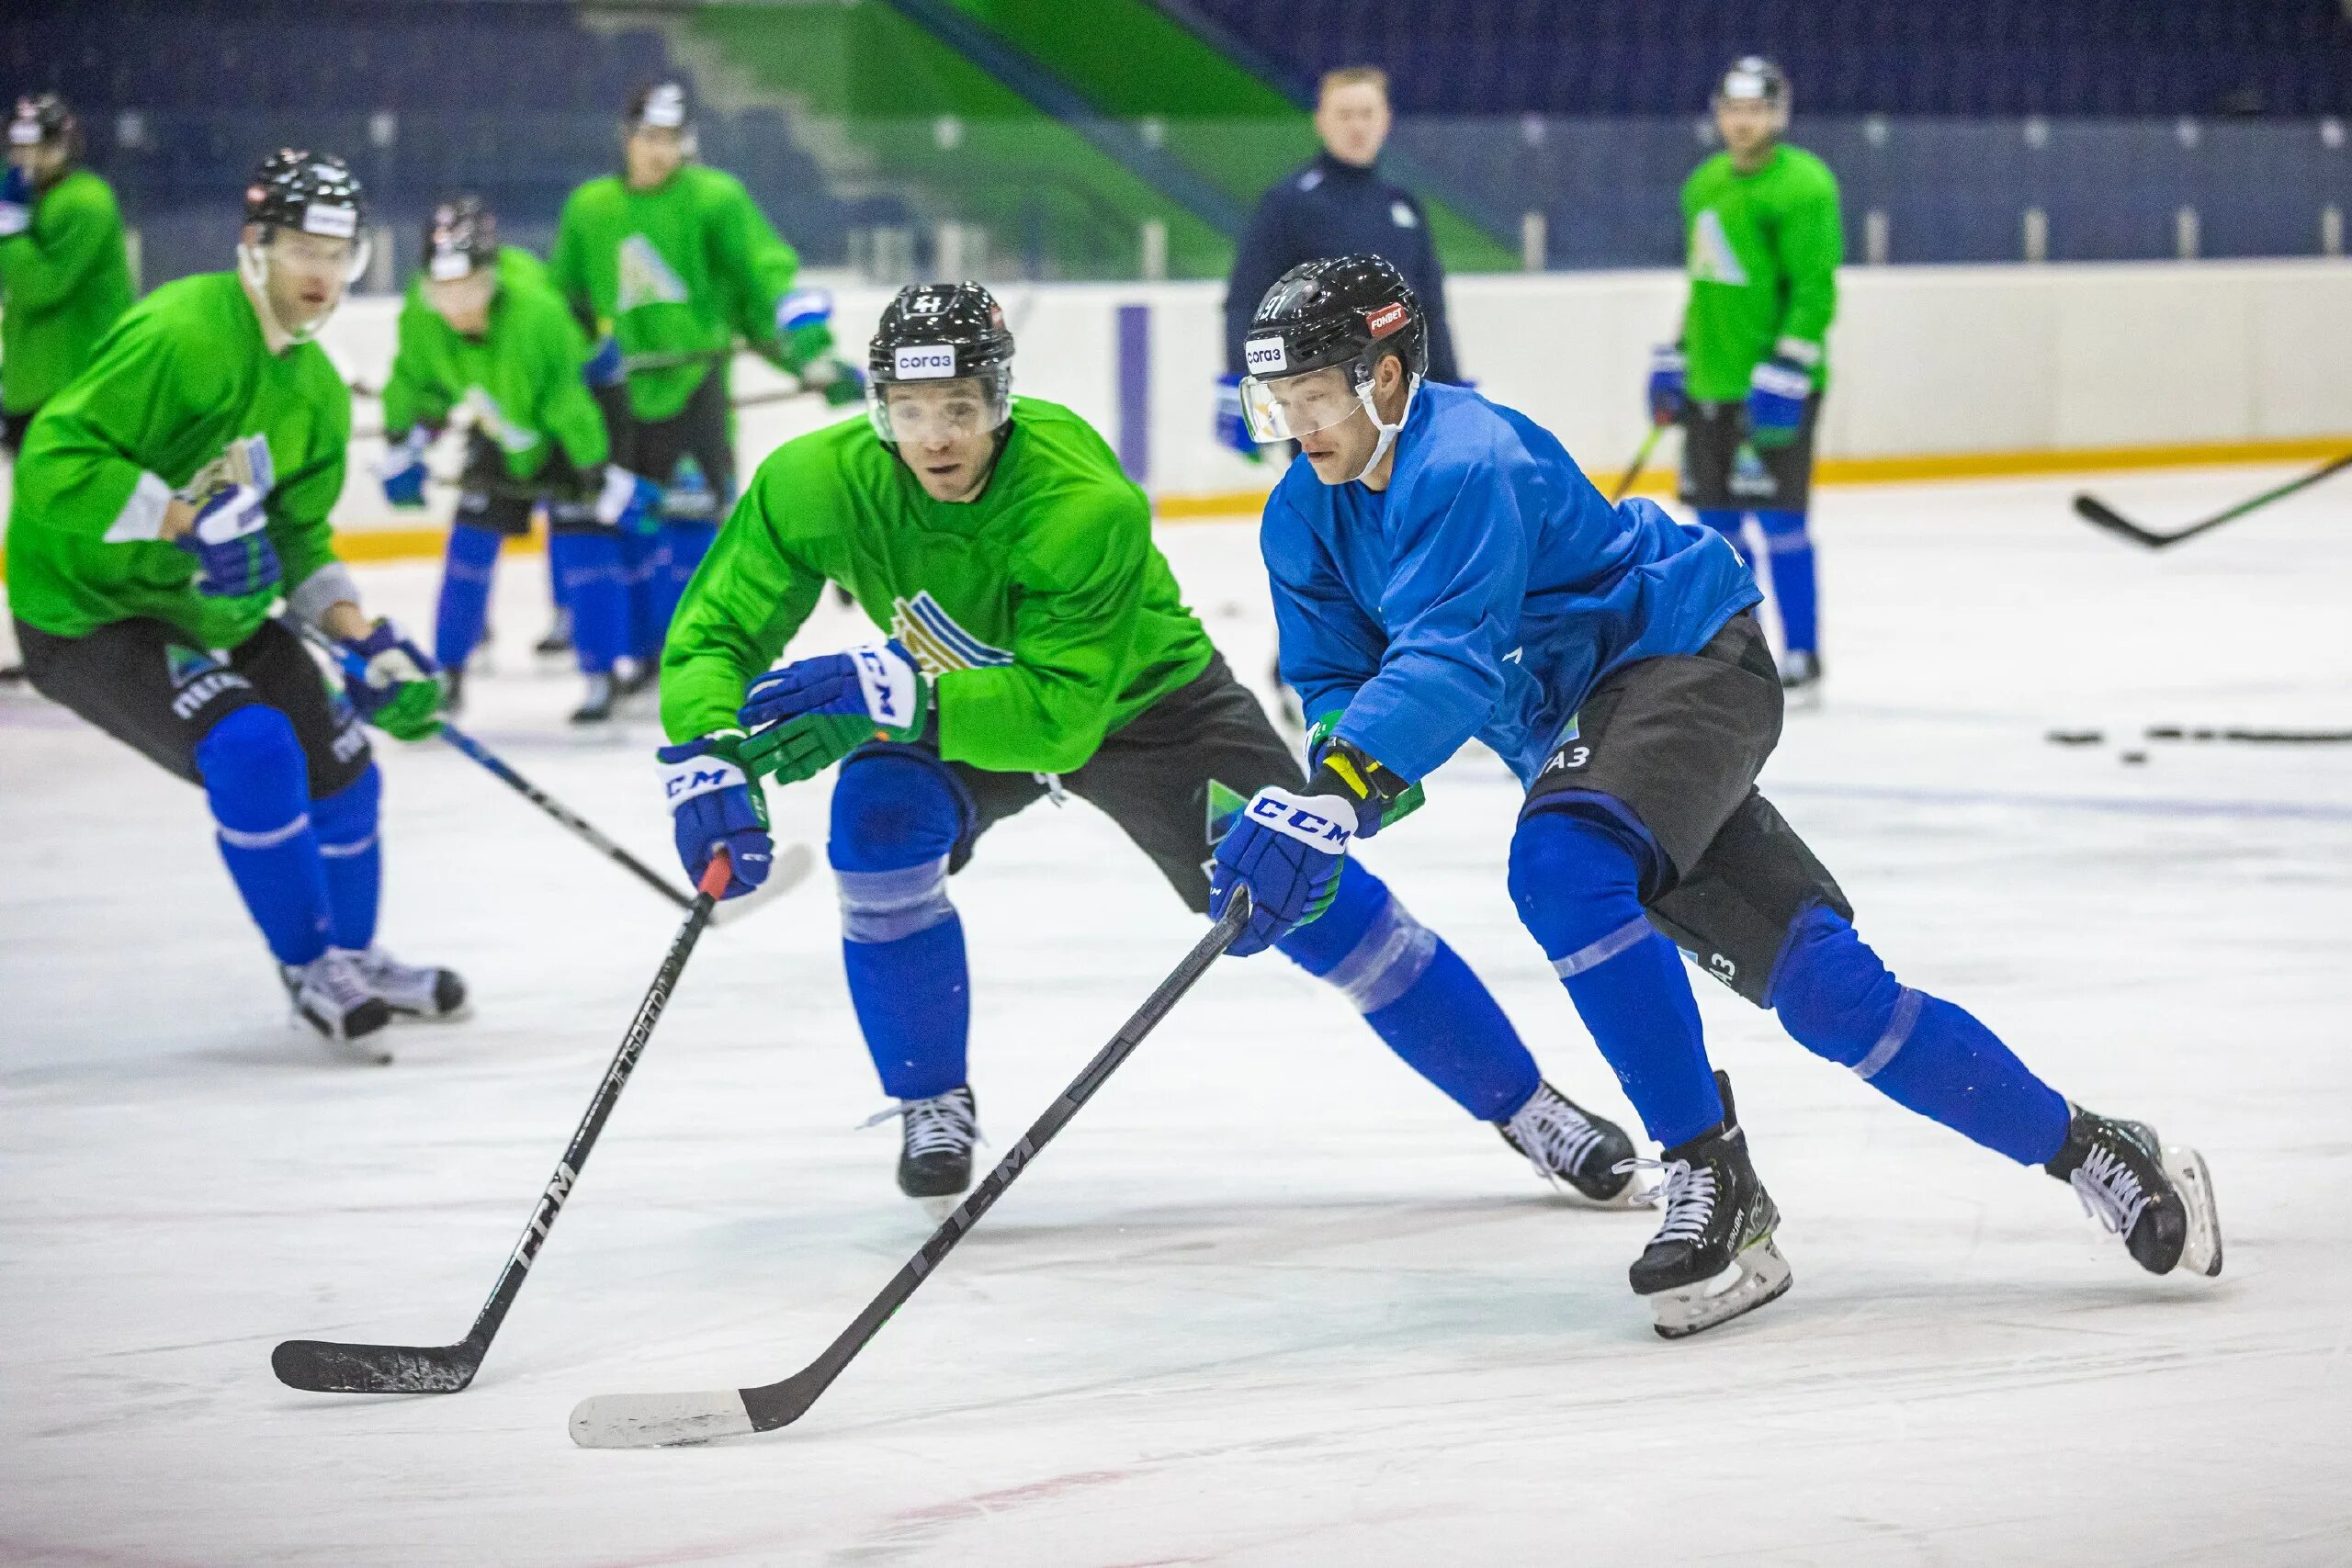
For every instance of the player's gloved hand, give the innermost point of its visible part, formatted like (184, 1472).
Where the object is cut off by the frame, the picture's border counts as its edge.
(16, 202)
(234, 557)
(715, 805)
(1665, 389)
(1336, 767)
(604, 366)
(393, 683)
(1776, 394)
(1288, 848)
(804, 328)
(1232, 428)
(628, 501)
(813, 712)
(402, 467)
(841, 382)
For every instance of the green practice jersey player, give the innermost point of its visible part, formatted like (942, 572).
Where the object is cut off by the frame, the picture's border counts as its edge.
(673, 264)
(64, 274)
(1035, 644)
(1763, 236)
(483, 329)
(164, 503)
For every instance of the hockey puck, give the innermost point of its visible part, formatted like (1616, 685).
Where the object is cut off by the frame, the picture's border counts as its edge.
(2076, 737)
(2128, 758)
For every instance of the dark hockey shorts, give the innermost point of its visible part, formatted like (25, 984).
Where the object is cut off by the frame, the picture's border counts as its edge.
(652, 449)
(1676, 744)
(1713, 478)
(146, 683)
(491, 497)
(1173, 778)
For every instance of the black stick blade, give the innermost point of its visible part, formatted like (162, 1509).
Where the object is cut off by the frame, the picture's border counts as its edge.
(2091, 509)
(320, 1366)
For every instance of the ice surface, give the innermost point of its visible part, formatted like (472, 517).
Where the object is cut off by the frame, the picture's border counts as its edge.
(1270, 1300)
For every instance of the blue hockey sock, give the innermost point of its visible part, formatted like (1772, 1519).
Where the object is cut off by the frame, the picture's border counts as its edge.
(1730, 525)
(1577, 886)
(645, 570)
(1790, 551)
(1836, 997)
(352, 854)
(895, 819)
(1418, 995)
(586, 566)
(257, 781)
(688, 543)
(465, 595)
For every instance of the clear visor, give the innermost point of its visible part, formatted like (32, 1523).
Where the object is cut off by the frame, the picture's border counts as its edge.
(1286, 408)
(318, 256)
(937, 412)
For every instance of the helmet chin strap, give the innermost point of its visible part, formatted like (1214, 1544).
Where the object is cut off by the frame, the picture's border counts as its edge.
(1387, 432)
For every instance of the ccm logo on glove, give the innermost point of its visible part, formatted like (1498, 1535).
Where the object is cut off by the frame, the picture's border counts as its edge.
(1292, 819)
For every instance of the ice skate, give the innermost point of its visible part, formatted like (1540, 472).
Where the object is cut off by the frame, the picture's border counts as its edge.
(453, 689)
(2157, 1196)
(1712, 1259)
(1800, 678)
(558, 641)
(936, 1139)
(331, 994)
(596, 707)
(412, 991)
(1570, 1146)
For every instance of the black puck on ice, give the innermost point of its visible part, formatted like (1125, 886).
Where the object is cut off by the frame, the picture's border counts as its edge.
(2128, 758)
(2076, 737)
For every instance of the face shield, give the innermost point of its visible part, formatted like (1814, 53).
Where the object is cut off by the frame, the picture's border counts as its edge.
(935, 413)
(1287, 407)
(335, 260)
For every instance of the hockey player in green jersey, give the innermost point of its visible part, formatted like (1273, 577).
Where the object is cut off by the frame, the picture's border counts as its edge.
(1037, 645)
(64, 274)
(164, 503)
(674, 262)
(483, 329)
(1764, 240)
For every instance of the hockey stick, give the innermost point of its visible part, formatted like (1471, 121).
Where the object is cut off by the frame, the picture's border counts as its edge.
(325, 1367)
(655, 1420)
(1633, 469)
(2091, 509)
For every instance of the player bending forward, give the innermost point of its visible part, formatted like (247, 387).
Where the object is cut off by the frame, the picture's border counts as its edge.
(1442, 570)
(1037, 645)
(163, 501)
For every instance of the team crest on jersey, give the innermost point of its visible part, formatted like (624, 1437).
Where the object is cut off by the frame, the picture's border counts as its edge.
(187, 664)
(1225, 804)
(1712, 258)
(931, 634)
(646, 278)
(492, 421)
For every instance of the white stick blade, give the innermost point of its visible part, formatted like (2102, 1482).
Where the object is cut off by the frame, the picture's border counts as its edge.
(658, 1420)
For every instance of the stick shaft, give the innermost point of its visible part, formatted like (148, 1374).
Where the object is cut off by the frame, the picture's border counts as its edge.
(562, 813)
(1633, 469)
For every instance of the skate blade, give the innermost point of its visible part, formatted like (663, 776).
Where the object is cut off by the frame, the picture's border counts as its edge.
(941, 1207)
(2201, 1252)
(369, 1050)
(1756, 1277)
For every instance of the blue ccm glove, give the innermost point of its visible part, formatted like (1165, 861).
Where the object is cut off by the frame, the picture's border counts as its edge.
(715, 805)
(395, 684)
(16, 202)
(1776, 395)
(604, 366)
(628, 502)
(402, 468)
(1666, 388)
(1288, 848)
(1232, 427)
(233, 555)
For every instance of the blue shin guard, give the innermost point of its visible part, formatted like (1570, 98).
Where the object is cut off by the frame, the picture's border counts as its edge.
(1578, 885)
(586, 565)
(1731, 525)
(1789, 552)
(895, 820)
(1418, 995)
(256, 782)
(1838, 998)
(352, 854)
(465, 595)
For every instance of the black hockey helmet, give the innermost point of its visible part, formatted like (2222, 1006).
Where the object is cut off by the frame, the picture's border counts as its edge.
(662, 105)
(314, 193)
(461, 239)
(1345, 313)
(940, 331)
(1753, 79)
(42, 121)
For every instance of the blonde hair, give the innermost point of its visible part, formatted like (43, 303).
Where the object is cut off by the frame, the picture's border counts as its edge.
(1352, 76)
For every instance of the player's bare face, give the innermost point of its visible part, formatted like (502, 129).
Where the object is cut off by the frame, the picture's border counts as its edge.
(1353, 122)
(946, 434)
(652, 153)
(305, 277)
(1747, 126)
(463, 302)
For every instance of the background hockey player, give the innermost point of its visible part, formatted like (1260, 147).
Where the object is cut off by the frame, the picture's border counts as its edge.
(1036, 644)
(163, 503)
(1443, 570)
(483, 327)
(64, 274)
(1763, 237)
(672, 263)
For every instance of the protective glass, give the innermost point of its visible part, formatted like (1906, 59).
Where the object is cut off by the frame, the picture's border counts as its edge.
(1287, 407)
(937, 411)
(319, 255)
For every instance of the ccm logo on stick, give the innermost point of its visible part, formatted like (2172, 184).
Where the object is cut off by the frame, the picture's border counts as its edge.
(926, 362)
(1264, 353)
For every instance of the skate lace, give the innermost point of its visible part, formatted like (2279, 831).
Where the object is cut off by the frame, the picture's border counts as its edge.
(942, 1124)
(1551, 1132)
(1686, 1190)
(343, 977)
(2109, 1190)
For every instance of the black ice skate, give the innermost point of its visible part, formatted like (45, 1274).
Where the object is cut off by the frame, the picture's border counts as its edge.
(1712, 1259)
(936, 1139)
(412, 991)
(597, 706)
(1567, 1143)
(558, 642)
(332, 995)
(2157, 1196)
(1801, 677)
(453, 689)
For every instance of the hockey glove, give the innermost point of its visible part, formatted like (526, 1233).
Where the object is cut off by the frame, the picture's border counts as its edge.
(395, 684)
(234, 557)
(812, 714)
(1339, 768)
(715, 805)
(1288, 849)
(1232, 425)
(1666, 388)
(402, 468)
(804, 328)
(16, 202)
(628, 502)
(1776, 395)
(602, 369)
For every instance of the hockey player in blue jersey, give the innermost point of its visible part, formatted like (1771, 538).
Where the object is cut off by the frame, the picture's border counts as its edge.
(1443, 570)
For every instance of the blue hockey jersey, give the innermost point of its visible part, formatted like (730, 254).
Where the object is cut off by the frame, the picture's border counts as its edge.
(1484, 593)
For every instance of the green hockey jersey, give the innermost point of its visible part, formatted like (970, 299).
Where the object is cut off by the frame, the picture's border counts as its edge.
(1763, 251)
(1043, 609)
(63, 281)
(183, 396)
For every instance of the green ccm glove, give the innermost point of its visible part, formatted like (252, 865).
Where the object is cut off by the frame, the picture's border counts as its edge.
(812, 713)
(393, 683)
